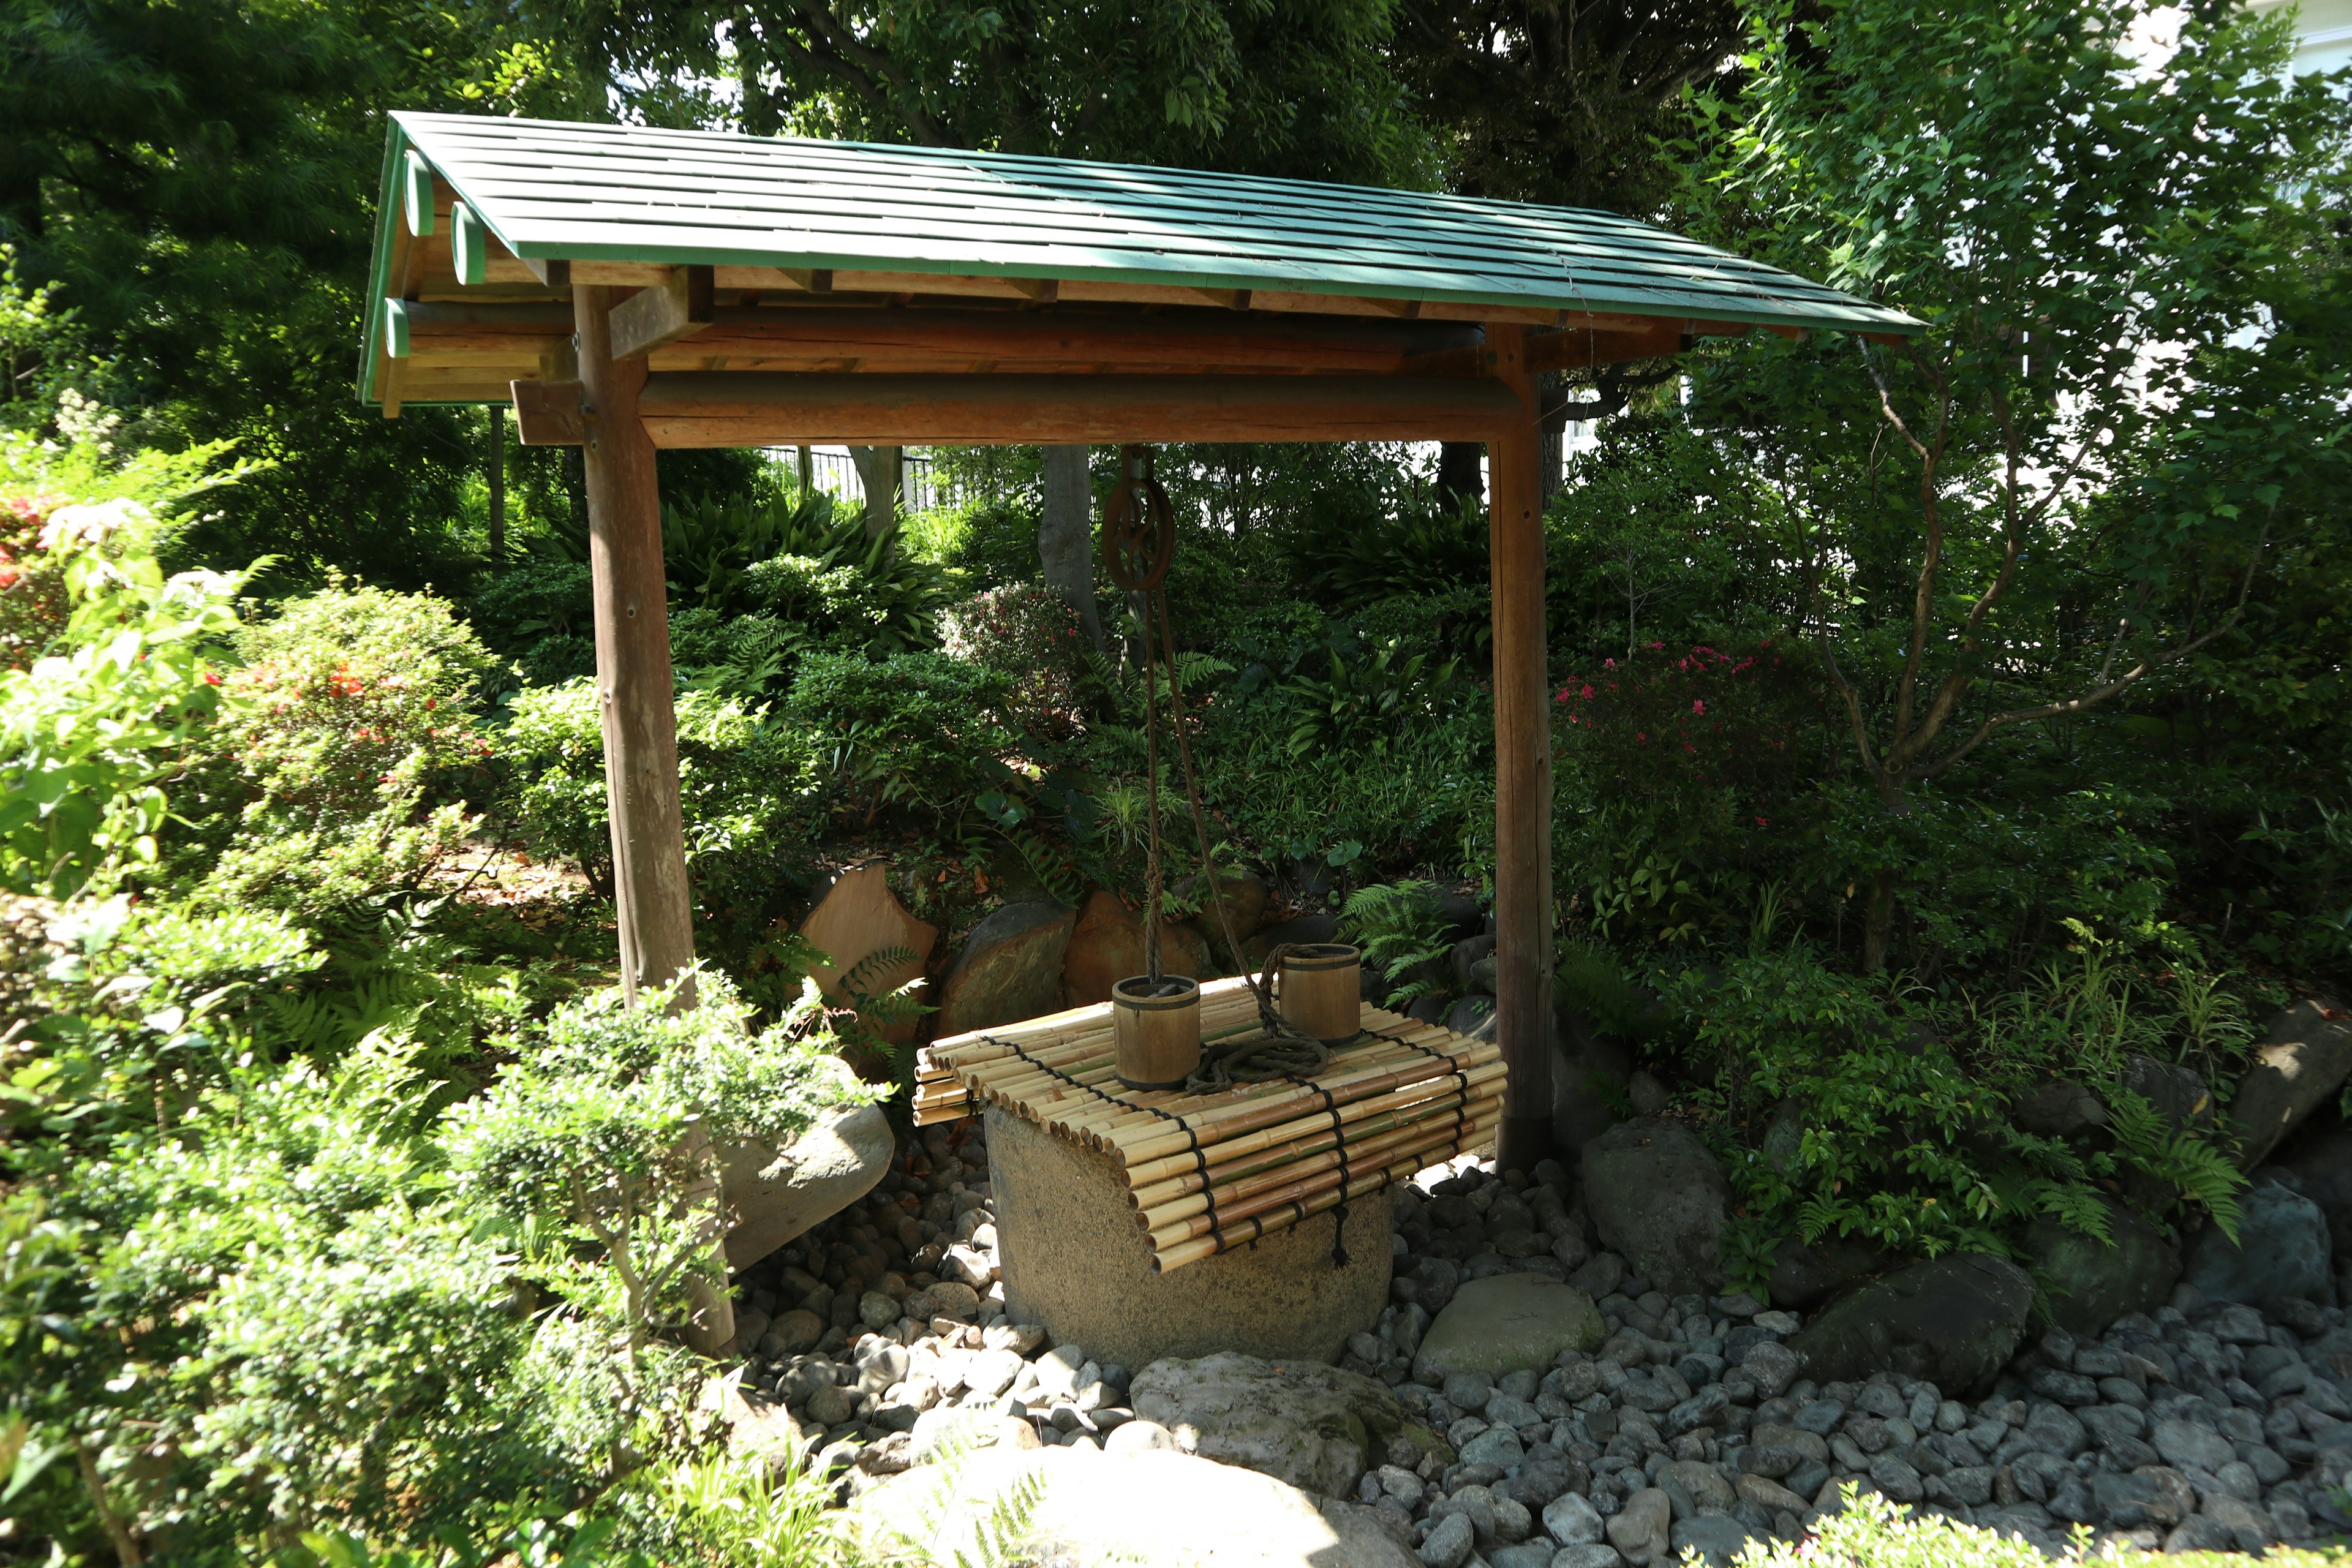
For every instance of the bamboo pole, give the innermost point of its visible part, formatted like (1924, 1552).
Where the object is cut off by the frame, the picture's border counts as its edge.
(1422, 1115)
(1129, 1147)
(1193, 1251)
(1229, 1199)
(1321, 1178)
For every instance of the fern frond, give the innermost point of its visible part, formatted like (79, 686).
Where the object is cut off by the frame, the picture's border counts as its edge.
(872, 967)
(2180, 1158)
(2073, 1205)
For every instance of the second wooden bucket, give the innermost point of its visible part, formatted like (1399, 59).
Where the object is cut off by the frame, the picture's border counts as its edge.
(1322, 990)
(1157, 1030)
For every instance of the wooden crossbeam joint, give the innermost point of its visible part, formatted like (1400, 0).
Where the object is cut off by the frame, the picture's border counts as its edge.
(650, 318)
(551, 413)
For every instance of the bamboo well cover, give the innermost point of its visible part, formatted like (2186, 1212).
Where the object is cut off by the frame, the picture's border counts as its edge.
(1208, 1172)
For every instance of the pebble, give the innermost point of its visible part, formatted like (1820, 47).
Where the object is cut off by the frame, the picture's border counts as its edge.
(2193, 1428)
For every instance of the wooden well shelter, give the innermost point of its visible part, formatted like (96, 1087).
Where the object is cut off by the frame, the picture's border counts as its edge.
(628, 289)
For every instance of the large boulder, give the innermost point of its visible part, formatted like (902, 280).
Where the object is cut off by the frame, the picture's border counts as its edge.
(1588, 1071)
(2090, 1283)
(2298, 1068)
(1107, 947)
(2322, 1162)
(1657, 1196)
(2059, 1108)
(1090, 1510)
(858, 919)
(1505, 1321)
(1305, 929)
(773, 1195)
(1316, 1427)
(1010, 968)
(1954, 1321)
(1807, 1273)
(1245, 894)
(2282, 1250)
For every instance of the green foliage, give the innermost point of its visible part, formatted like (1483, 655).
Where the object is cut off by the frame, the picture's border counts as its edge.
(711, 543)
(916, 729)
(1869, 1531)
(746, 783)
(89, 737)
(603, 1134)
(1401, 930)
(1031, 635)
(1364, 703)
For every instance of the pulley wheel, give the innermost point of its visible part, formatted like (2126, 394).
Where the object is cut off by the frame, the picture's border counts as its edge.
(1139, 526)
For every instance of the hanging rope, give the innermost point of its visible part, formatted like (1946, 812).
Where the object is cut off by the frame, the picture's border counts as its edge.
(1139, 546)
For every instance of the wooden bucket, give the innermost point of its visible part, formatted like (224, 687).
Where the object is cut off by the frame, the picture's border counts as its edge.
(1158, 1036)
(1322, 991)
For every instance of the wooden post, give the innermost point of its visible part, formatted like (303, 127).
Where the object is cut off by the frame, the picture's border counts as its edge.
(497, 482)
(634, 683)
(1523, 801)
(637, 703)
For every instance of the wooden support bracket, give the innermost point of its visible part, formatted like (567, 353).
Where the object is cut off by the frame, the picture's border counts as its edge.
(551, 413)
(677, 308)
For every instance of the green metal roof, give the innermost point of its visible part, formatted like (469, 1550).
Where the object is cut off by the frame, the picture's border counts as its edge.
(554, 190)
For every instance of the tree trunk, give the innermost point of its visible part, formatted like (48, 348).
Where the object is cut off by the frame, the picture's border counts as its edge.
(1457, 474)
(1878, 916)
(1066, 535)
(879, 470)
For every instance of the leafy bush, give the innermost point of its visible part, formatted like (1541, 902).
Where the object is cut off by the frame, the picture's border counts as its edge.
(1365, 703)
(89, 737)
(913, 729)
(1033, 636)
(1840, 1109)
(1871, 1532)
(745, 786)
(604, 1133)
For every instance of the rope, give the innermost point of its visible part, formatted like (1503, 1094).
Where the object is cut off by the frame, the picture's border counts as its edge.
(1192, 1136)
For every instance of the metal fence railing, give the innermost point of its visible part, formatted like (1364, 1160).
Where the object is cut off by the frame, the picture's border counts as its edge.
(921, 486)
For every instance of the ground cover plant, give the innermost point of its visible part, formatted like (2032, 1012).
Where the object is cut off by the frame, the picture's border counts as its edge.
(1932, 723)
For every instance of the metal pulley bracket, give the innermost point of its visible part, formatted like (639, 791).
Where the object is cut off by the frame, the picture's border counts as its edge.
(1139, 526)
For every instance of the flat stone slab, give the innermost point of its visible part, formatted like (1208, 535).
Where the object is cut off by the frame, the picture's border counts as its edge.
(1313, 1427)
(1010, 968)
(1507, 1322)
(854, 920)
(1171, 1511)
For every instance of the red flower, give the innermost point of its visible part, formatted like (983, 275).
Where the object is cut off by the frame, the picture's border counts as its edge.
(1761, 822)
(1588, 691)
(211, 679)
(1698, 705)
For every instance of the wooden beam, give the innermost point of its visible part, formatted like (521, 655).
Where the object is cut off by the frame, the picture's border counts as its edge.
(1523, 783)
(551, 413)
(677, 307)
(1056, 342)
(755, 409)
(1653, 339)
(458, 333)
(634, 681)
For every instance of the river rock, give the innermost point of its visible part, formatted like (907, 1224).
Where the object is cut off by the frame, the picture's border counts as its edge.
(1010, 968)
(855, 917)
(1092, 1510)
(2282, 1249)
(1305, 929)
(2091, 1283)
(2060, 1108)
(1310, 1425)
(1507, 1322)
(1803, 1275)
(1951, 1320)
(1588, 1069)
(1469, 1014)
(1657, 1196)
(1107, 947)
(1245, 895)
(773, 1195)
(2299, 1066)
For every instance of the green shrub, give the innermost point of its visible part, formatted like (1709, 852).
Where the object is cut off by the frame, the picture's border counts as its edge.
(1871, 1532)
(89, 736)
(1032, 634)
(745, 784)
(916, 729)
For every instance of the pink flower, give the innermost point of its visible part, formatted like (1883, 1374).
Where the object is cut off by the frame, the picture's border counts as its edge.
(1761, 822)
(1607, 664)
(1588, 691)
(1698, 705)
